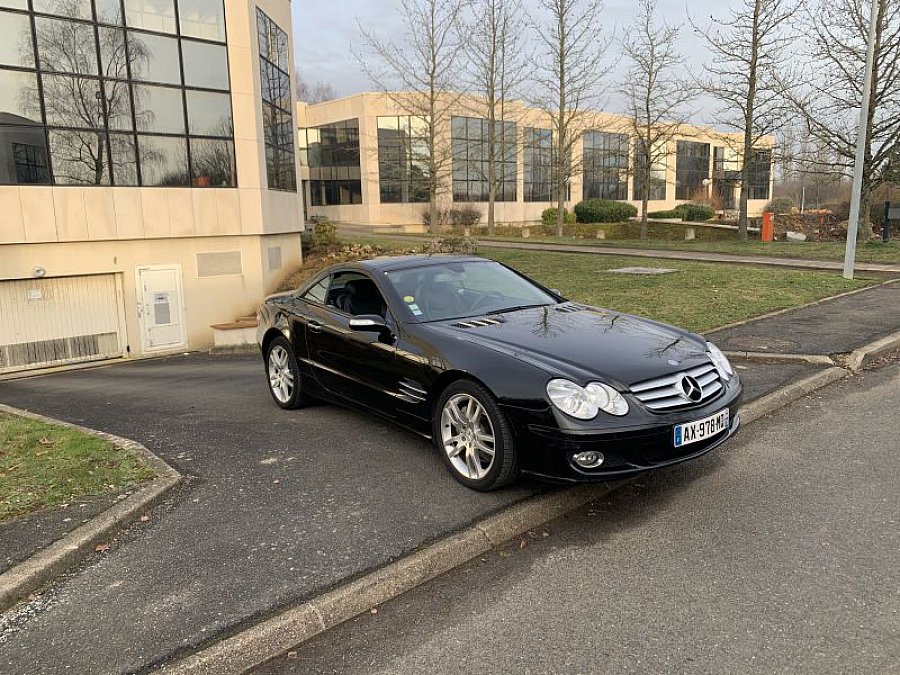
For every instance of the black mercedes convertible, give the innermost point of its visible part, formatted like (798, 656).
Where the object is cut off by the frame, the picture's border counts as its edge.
(504, 375)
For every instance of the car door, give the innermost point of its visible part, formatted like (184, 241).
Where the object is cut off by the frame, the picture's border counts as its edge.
(357, 366)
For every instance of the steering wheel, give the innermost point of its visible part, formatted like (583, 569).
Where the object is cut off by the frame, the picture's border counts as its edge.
(481, 299)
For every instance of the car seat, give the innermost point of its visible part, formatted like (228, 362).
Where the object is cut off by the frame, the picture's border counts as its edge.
(362, 297)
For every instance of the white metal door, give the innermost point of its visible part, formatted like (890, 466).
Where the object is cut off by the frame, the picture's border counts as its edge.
(55, 321)
(161, 308)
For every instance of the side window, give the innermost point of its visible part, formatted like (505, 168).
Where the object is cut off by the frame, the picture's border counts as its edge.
(319, 292)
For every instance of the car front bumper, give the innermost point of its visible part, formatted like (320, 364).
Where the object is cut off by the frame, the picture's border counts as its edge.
(547, 451)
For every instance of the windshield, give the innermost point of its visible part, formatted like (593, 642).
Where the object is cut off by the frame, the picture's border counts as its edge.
(462, 290)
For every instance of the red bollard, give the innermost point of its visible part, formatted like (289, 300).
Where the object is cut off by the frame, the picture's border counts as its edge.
(768, 227)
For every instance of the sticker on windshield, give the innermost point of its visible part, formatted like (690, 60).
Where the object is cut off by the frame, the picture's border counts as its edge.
(415, 310)
(409, 298)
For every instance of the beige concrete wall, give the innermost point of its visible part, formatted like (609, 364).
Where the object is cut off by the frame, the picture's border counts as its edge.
(208, 300)
(368, 107)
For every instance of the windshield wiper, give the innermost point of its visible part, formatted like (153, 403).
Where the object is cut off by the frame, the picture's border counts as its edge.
(516, 308)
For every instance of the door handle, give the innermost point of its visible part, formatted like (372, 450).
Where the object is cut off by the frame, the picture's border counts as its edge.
(315, 327)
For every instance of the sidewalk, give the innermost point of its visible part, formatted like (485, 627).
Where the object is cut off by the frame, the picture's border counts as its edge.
(696, 256)
(279, 507)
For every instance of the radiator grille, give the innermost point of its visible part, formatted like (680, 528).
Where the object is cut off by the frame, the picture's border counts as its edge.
(667, 393)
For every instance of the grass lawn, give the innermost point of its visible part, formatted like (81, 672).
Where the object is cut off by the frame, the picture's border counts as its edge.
(42, 465)
(699, 296)
(875, 252)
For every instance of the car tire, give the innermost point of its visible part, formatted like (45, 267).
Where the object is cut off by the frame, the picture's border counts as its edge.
(461, 437)
(283, 374)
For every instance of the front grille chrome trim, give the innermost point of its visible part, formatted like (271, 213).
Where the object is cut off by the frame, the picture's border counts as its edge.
(663, 394)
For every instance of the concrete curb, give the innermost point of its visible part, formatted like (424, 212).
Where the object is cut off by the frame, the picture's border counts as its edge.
(817, 359)
(778, 399)
(859, 358)
(266, 640)
(45, 565)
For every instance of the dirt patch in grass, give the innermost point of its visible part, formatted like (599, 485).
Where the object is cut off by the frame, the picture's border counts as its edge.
(44, 465)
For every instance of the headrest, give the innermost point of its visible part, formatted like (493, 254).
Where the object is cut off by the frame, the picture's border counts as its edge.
(362, 288)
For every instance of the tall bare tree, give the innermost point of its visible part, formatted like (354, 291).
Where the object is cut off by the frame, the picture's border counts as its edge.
(421, 74)
(655, 95)
(570, 67)
(313, 92)
(496, 66)
(827, 92)
(748, 49)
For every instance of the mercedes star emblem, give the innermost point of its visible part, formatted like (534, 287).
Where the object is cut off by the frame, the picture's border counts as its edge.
(691, 388)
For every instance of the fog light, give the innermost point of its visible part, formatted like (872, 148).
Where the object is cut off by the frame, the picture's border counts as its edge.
(589, 460)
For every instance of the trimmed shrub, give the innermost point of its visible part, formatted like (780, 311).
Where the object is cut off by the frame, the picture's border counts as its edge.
(698, 212)
(671, 214)
(548, 217)
(604, 211)
(464, 217)
(780, 206)
(322, 238)
(451, 244)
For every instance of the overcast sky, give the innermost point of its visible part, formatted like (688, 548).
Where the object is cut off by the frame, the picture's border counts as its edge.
(326, 33)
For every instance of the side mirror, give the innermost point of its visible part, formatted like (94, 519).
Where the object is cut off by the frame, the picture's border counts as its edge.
(369, 323)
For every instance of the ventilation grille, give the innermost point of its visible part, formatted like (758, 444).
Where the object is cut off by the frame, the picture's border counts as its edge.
(479, 323)
(60, 350)
(219, 264)
(666, 393)
(274, 258)
(569, 308)
(412, 391)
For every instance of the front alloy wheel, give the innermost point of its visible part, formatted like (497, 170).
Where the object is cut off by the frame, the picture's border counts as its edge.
(474, 437)
(284, 375)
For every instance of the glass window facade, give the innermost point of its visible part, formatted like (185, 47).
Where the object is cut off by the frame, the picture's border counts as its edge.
(691, 169)
(104, 102)
(403, 175)
(760, 174)
(605, 165)
(278, 118)
(332, 154)
(657, 172)
(472, 155)
(539, 181)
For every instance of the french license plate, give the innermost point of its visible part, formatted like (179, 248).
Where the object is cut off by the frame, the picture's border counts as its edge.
(700, 430)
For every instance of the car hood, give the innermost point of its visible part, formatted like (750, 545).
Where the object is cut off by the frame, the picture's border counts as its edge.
(584, 343)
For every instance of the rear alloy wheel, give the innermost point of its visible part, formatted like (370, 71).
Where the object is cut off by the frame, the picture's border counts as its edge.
(474, 437)
(284, 375)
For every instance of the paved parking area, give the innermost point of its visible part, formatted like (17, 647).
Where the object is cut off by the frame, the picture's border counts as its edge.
(279, 505)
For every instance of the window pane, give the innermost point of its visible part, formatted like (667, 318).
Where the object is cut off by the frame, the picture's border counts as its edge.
(209, 114)
(158, 15)
(163, 161)
(109, 11)
(19, 98)
(113, 57)
(213, 163)
(73, 101)
(23, 155)
(205, 65)
(124, 159)
(14, 4)
(202, 19)
(16, 47)
(70, 8)
(118, 105)
(66, 46)
(159, 109)
(79, 157)
(154, 58)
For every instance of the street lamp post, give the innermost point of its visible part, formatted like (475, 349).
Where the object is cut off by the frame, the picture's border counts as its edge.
(853, 224)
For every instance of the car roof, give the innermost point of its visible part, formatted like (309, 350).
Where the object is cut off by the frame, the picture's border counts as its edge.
(392, 263)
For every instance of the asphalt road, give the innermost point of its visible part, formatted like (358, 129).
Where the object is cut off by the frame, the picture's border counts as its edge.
(279, 505)
(778, 555)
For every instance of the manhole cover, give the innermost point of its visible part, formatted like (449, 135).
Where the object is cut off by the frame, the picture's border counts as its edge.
(642, 270)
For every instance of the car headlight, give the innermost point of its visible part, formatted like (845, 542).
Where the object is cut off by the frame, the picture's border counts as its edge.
(720, 361)
(585, 402)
